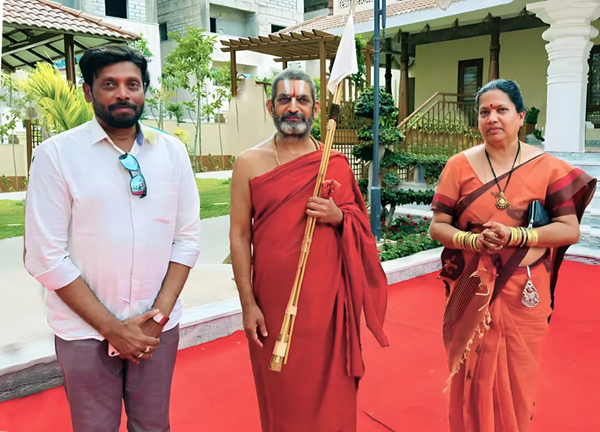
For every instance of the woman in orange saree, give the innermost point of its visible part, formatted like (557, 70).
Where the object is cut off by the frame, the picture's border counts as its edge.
(500, 278)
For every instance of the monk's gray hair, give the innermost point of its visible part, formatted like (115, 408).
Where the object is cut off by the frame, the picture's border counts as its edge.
(293, 74)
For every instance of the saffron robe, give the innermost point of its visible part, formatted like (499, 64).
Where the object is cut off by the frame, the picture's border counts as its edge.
(492, 340)
(316, 390)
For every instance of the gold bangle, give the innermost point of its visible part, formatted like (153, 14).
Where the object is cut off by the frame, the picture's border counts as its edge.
(465, 241)
(534, 238)
(522, 237)
(514, 237)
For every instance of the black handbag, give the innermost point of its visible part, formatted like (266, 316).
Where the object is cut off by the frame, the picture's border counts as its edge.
(537, 215)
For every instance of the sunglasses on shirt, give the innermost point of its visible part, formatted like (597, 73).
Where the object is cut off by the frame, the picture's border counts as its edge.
(138, 182)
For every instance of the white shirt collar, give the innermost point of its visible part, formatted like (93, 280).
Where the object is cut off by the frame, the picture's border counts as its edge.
(98, 134)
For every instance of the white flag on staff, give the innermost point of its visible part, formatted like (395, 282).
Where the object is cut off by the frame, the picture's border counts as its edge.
(345, 59)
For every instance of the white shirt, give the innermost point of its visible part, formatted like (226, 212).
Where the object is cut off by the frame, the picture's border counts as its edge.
(82, 219)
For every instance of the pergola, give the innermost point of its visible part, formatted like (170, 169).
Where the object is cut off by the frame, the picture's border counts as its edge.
(41, 30)
(293, 47)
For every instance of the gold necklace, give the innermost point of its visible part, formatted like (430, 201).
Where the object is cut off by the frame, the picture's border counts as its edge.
(275, 148)
(501, 200)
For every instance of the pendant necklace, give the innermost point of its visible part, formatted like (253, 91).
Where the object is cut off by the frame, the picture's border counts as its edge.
(501, 200)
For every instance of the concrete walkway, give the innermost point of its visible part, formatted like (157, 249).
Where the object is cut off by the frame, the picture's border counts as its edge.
(16, 196)
(214, 175)
(23, 321)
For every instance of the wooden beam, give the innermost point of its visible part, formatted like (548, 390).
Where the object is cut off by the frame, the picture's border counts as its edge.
(70, 59)
(80, 45)
(368, 68)
(494, 50)
(323, 60)
(29, 140)
(7, 67)
(403, 100)
(280, 45)
(31, 43)
(22, 60)
(524, 21)
(284, 65)
(388, 67)
(233, 74)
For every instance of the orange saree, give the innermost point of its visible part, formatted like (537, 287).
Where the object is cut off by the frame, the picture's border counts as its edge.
(316, 390)
(492, 340)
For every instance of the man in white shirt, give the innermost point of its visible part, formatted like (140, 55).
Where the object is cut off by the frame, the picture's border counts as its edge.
(111, 230)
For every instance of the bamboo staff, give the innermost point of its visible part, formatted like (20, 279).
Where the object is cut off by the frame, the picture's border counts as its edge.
(282, 346)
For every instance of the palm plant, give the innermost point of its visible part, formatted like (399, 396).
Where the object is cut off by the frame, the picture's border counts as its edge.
(62, 106)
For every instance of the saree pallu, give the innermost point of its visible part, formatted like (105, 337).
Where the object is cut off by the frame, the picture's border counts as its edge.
(493, 341)
(317, 389)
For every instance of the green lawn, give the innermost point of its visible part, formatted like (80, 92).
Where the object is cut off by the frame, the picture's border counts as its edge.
(214, 197)
(11, 219)
(214, 202)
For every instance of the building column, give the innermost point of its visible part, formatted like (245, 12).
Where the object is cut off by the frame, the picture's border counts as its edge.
(568, 49)
(404, 77)
(388, 65)
(70, 59)
(495, 50)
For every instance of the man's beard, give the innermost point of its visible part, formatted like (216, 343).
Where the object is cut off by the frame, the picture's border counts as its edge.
(123, 121)
(295, 128)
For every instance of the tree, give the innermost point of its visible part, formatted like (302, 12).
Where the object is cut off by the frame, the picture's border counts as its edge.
(189, 65)
(159, 104)
(61, 104)
(389, 138)
(222, 80)
(142, 45)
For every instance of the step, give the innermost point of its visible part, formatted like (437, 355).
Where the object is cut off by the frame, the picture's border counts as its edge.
(591, 217)
(32, 367)
(590, 166)
(590, 237)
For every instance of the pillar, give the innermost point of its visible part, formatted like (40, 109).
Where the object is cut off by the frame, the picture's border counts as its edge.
(404, 59)
(388, 65)
(494, 50)
(568, 49)
(323, 76)
(70, 59)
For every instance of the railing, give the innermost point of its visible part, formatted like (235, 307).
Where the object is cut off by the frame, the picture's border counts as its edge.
(445, 124)
(346, 136)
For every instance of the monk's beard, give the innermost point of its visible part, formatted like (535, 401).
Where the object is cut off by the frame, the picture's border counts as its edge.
(298, 129)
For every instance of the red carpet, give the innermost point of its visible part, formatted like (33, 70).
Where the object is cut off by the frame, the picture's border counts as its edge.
(213, 388)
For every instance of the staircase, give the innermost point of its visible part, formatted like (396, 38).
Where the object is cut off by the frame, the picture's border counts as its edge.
(445, 124)
(590, 223)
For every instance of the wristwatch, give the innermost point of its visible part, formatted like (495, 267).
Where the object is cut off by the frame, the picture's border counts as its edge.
(160, 319)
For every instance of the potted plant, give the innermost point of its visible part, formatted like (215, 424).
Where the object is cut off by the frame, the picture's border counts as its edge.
(531, 118)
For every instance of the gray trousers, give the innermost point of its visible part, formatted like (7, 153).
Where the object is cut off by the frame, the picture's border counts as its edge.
(97, 385)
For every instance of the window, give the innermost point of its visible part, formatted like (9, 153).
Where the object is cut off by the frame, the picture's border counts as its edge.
(593, 95)
(162, 31)
(213, 25)
(470, 78)
(276, 28)
(116, 8)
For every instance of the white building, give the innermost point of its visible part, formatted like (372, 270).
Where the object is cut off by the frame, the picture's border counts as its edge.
(138, 16)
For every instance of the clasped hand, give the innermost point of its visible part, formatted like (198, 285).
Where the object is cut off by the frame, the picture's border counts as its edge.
(324, 210)
(493, 238)
(137, 337)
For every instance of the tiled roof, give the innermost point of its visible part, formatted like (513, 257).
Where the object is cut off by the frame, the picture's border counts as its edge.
(45, 14)
(336, 21)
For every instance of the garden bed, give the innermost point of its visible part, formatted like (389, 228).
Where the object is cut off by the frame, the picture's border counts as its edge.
(405, 236)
